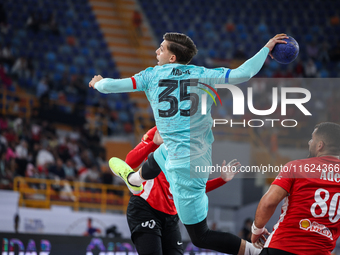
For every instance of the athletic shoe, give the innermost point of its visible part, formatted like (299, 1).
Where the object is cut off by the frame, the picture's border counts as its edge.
(123, 170)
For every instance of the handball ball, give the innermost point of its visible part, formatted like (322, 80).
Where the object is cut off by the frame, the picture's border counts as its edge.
(286, 53)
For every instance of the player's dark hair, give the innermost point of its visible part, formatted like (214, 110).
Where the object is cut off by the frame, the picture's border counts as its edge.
(329, 133)
(182, 46)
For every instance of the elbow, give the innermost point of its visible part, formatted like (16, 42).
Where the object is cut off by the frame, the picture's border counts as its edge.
(268, 205)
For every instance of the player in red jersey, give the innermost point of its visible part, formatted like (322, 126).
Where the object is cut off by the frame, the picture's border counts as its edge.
(310, 218)
(151, 214)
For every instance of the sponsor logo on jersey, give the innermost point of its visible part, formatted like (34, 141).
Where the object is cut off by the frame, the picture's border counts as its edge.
(305, 224)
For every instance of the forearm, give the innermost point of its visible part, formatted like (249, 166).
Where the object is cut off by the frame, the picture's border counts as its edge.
(108, 85)
(214, 184)
(264, 212)
(268, 204)
(136, 156)
(249, 68)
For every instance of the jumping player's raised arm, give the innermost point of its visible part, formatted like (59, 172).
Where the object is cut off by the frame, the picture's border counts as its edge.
(253, 65)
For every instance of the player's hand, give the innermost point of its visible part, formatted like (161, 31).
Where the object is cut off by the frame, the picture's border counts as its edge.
(276, 39)
(230, 170)
(259, 240)
(157, 139)
(94, 80)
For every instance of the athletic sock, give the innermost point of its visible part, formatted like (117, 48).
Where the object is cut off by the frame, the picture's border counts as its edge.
(135, 179)
(251, 250)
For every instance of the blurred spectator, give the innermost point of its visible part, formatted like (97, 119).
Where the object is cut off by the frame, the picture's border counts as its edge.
(323, 55)
(137, 22)
(10, 153)
(16, 222)
(91, 175)
(21, 151)
(4, 78)
(34, 22)
(10, 135)
(42, 88)
(70, 171)
(312, 50)
(44, 157)
(21, 68)
(7, 55)
(6, 175)
(90, 231)
(299, 69)
(310, 69)
(57, 170)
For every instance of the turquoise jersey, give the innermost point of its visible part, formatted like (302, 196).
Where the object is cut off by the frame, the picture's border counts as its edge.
(175, 93)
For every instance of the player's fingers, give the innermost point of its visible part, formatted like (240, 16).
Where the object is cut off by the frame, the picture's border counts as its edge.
(280, 41)
(258, 244)
(223, 163)
(232, 162)
(278, 35)
(263, 238)
(266, 232)
(271, 55)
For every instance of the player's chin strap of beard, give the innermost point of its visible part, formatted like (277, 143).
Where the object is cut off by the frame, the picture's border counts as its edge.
(257, 231)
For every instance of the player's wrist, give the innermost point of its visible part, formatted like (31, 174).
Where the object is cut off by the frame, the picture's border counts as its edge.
(255, 230)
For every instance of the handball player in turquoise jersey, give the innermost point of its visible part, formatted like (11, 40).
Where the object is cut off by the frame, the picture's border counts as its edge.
(174, 90)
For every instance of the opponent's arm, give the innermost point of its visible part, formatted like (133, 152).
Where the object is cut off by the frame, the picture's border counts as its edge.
(149, 144)
(227, 174)
(253, 65)
(108, 85)
(137, 155)
(265, 211)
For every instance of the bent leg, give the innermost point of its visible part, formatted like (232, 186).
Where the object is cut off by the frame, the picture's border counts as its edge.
(202, 237)
(147, 243)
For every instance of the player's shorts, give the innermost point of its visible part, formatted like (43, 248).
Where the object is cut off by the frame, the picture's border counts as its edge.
(187, 185)
(142, 217)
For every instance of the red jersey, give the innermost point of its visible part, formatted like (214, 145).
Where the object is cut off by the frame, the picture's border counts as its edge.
(310, 216)
(157, 191)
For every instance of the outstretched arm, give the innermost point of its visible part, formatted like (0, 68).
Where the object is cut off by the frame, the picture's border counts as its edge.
(253, 65)
(227, 174)
(108, 85)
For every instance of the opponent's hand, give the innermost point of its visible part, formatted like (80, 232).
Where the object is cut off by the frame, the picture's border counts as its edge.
(276, 39)
(94, 80)
(259, 240)
(157, 139)
(230, 170)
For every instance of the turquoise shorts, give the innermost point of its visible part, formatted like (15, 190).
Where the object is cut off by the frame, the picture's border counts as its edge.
(187, 185)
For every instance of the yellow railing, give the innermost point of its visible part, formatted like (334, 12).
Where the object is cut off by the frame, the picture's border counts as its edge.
(16, 103)
(42, 193)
